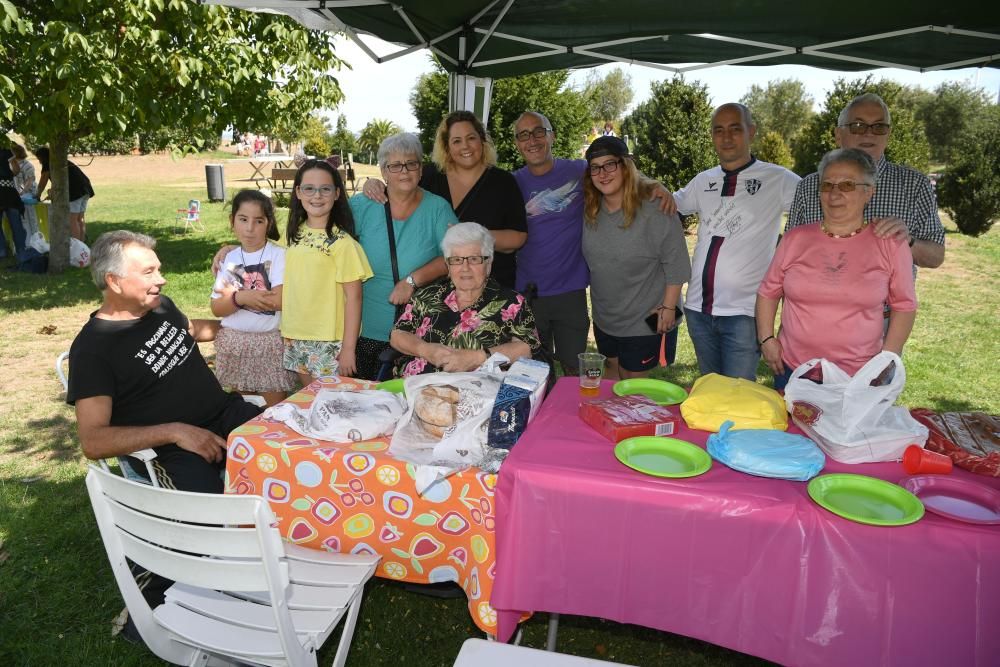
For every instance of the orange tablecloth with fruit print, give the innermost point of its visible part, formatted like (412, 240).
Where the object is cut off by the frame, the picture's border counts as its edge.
(356, 498)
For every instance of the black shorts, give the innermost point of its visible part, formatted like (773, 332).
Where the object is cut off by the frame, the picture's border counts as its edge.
(634, 353)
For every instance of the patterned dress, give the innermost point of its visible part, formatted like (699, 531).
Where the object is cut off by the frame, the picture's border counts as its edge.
(499, 315)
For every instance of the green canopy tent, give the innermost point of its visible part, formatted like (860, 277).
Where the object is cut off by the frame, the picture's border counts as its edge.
(477, 40)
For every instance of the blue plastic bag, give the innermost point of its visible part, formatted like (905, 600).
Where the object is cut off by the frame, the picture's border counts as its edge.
(767, 453)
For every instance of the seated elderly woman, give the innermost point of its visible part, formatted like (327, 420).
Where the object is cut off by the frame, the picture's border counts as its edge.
(835, 276)
(455, 323)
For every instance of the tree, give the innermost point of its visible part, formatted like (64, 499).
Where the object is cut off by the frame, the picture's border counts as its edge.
(375, 132)
(970, 189)
(608, 97)
(314, 135)
(546, 93)
(782, 107)
(948, 113)
(771, 147)
(342, 140)
(907, 143)
(673, 132)
(127, 67)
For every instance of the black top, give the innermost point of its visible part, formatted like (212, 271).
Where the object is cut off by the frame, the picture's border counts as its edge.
(79, 184)
(495, 202)
(8, 193)
(150, 367)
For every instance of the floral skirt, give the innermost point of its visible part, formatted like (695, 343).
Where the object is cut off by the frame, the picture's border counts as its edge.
(315, 357)
(251, 361)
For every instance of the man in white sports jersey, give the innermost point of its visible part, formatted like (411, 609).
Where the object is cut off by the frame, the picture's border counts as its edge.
(739, 205)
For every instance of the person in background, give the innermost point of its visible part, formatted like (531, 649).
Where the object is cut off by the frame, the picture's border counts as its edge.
(834, 276)
(11, 206)
(464, 173)
(455, 324)
(609, 130)
(739, 205)
(80, 192)
(26, 185)
(638, 262)
(419, 222)
(903, 203)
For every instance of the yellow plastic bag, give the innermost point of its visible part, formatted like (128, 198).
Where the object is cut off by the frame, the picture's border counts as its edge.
(717, 398)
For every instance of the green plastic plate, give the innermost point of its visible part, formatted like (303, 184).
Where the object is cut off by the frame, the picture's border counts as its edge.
(866, 499)
(663, 457)
(664, 393)
(395, 386)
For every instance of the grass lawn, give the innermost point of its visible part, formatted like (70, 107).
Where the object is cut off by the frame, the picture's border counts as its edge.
(57, 594)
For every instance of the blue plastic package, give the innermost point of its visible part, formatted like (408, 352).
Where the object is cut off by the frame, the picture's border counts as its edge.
(767, 453)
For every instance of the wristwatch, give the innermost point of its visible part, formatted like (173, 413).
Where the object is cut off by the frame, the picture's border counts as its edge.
(411, 282)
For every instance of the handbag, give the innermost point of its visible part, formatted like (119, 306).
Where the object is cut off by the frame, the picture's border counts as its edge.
(853, 419)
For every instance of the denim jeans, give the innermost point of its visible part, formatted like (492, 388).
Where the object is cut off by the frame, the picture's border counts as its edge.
(17, 232)
(724, 344)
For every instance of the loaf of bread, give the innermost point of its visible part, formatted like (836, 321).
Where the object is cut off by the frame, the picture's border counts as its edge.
(435, 408)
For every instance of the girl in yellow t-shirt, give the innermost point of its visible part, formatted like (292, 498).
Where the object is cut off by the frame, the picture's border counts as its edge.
(324, 269)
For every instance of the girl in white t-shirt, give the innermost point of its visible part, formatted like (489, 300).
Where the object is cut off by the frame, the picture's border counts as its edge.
(247, 296)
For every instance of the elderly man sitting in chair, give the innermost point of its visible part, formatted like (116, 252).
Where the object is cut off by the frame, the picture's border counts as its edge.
(137, 379)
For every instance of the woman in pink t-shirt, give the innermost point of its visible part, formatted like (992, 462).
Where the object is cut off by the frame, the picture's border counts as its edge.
(835, 278)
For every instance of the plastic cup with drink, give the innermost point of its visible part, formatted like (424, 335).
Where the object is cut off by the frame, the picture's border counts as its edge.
(591, 371)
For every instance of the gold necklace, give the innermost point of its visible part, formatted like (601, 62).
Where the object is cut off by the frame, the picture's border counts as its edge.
(826, 231)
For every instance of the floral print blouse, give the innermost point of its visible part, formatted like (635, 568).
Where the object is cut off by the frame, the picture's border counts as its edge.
(499, 315)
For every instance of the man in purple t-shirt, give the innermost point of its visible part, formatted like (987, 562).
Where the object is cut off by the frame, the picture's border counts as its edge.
(550, 265)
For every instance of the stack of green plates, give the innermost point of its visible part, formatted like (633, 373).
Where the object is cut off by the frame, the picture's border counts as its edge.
(866, 499)
(663, 457)
(659, 391)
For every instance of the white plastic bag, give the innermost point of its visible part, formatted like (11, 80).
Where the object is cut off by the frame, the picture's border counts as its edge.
(79, 253)
(343, 416)
(852, 421)
(445, 426)
(38, 243)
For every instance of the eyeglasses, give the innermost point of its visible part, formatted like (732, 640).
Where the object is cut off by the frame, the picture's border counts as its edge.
(475, 260)
(322, 190)
(396, 167)
(858, 127)
(538, 133)
(843, 186)
(607, 167)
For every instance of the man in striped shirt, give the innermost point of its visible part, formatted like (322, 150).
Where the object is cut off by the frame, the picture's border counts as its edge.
(739, 205)
(903, 204)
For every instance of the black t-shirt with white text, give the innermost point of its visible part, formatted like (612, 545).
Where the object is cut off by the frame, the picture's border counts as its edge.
(150, 367)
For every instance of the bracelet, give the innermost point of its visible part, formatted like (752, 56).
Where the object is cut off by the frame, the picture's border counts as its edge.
(665, 307)
(760, 343)
(238, 306)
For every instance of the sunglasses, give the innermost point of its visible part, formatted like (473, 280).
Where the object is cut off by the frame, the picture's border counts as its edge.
(858, 127)
(843, 186)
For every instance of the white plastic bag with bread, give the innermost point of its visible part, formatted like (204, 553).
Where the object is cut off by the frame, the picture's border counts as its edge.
(343, 415)
(445, 426)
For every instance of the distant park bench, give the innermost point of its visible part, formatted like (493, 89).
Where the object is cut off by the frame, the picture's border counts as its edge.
(281, 180)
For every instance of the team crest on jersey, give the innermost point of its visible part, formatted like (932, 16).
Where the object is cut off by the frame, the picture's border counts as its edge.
(752, 185)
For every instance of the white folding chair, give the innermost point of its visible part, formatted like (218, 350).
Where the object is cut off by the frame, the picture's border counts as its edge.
(240, 594)
(144, 455)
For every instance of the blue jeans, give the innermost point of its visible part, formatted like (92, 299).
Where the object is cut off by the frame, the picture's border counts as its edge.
(724, 344)
(17, 231)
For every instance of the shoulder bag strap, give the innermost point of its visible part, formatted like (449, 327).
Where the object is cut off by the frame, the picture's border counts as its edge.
(392, 243)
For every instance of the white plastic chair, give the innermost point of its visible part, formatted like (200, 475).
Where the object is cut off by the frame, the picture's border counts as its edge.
(144, 455)
(241, 595)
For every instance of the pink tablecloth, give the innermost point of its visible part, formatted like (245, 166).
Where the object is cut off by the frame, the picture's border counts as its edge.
(740, 561)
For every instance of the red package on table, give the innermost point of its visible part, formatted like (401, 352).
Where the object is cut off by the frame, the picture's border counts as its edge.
(623, 417)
